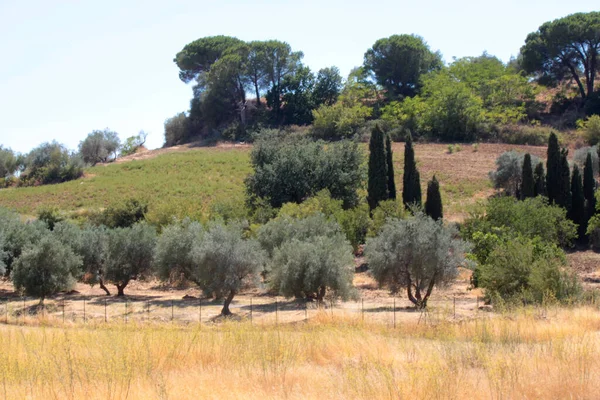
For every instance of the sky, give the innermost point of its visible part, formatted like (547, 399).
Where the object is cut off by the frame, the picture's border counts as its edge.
(70, 67)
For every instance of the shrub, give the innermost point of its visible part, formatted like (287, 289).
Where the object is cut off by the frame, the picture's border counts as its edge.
(99, 146)
(46, 268)
(590, 128)
(531, 135)
(338, 121)
(415, 255)
(50, 216)
(528, 271)
(122, 215)
(50, 163)
(294, 169)
(581, 154)
(133, 143)
(509, 172)
(9, 163)
(387, 209)
(177, 130)
(18, 235)
(530, 218)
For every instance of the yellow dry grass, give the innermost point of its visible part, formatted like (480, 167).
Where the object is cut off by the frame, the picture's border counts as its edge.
(529, 354)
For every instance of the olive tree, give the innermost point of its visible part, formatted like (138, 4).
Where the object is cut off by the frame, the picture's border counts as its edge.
(18, 235)
(2, 254)
(174, 253)
(415, 255)
(130, 254)
(224, 262)
(99, 146)
(46, 268)
(91, 244)
(509, 172)
(308, 257)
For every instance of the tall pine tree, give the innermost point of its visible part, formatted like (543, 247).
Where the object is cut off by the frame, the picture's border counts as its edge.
(433, 204)
(553, 170)
(527, 180)
(577, 211)
(390, 168)
(377, 187)
(540, 180)
(563, 188)
(411, 190)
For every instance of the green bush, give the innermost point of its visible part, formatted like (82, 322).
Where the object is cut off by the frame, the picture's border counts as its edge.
(590, 128)
(338, 121)
(50, 163)
(528, 271)
(524, 134)
(121, 215)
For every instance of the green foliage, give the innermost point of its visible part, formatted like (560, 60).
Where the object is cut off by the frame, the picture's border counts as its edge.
(225, 262)
(389, 156)
(309, 257)
(530, 218)
(18, 235)
(50, 216)
(590, 129)
(531, 135)
(177, 130)
(338, 121)
(411, 189)
(46, 268)
(50, 163)
(130, 254)
(553, 168)
(527, 179)
(294, 169)
(564, 47)
(3, 254)
(563, 194)
(529, 271)
(539, 180)
(581, 155)
(589, 185)
(328, 86)
(415, 254)
(9, 163)
(577, 211)
(99, 146)
(354, 222)
(388, 209)
(122, 215)
(133, 143)
(433, 205)
(398, 62)
(174, 258)
(377, 189)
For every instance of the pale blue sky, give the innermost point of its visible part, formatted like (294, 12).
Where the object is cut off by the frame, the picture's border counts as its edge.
(69, 67)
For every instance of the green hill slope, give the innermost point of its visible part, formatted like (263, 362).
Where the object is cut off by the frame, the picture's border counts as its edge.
(182, 183)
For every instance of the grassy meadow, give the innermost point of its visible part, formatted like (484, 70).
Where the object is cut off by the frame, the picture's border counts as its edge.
(529, 354)
(186, 182)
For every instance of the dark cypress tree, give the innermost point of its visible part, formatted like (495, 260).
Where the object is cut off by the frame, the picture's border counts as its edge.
(527, 181)
(553, 168)
(433, 205)
(390, 168)
(589, 185)
(540, 180)
(411, 190)
(577, 212)
(377, 186)
(563, 189)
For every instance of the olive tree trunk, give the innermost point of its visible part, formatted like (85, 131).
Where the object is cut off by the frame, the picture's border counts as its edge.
(225, 311)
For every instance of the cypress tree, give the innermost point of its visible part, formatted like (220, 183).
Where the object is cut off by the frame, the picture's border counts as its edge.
(377, 186)
(589, 185)
(433, 205)
(540, 180)
(563, 188)
(553, 168)
(527, 181)
(577, 212)
(390, 168)
(411, 191)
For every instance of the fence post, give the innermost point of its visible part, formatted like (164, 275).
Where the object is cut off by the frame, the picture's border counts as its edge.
(126, 311)
(477, 308)
(6, 305)
(200, 310)
(105, 316)
(84, 310)
(394, 313)
(276, 312)
(362, 309)
(63, 310)
(250, 310)
(331, 303)
(23, 310)
(172, 311)
(306, 310)
(148, 310)
(454, 298)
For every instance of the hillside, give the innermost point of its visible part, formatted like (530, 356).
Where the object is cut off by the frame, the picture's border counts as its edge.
(187, 180)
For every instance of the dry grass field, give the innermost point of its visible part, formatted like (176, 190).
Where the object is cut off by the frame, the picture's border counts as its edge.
(529, 354)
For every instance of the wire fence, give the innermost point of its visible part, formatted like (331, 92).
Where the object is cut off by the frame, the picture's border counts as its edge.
(258, 310)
